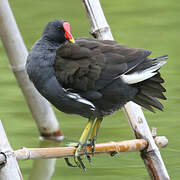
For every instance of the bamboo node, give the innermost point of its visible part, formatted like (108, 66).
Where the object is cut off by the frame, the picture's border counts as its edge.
(27, 153)
(116, 147)
(100, 30)
(18, 68)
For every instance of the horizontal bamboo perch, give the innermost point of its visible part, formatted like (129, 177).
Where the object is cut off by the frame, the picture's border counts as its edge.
(61, 152)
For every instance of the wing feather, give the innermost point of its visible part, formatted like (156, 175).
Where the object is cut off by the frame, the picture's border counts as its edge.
(91, 64)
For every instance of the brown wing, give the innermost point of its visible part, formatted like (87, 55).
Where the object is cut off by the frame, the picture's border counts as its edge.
(91, 64)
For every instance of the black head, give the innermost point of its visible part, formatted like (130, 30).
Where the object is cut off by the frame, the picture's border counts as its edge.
(58, 31)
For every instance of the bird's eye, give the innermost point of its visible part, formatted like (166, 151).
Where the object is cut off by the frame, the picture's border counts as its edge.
(59, 27)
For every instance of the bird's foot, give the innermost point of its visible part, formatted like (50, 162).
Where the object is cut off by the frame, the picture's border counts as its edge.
(77, 157)
(69, 163)
(113, 153)
(70, 144)
(83, 145)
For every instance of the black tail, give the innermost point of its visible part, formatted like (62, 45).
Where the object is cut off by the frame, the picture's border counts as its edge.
(150, 89)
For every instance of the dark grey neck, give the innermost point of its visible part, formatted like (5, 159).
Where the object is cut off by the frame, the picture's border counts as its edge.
(49, 43)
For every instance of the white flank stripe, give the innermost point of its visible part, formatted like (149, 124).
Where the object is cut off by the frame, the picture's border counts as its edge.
(78, 98)
(142, 75)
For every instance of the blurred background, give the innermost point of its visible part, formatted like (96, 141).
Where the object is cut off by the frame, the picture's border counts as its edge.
(153, 25)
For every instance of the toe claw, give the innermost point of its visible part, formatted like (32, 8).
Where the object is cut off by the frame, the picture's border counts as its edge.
(113, 153)
(81, 163)
(77, 162)
(68, 163)
(89, 159)
(77, 158)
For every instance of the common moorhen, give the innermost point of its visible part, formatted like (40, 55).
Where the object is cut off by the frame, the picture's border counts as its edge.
(92, 78)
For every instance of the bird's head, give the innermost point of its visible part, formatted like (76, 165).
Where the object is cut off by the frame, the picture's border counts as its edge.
(58, 31)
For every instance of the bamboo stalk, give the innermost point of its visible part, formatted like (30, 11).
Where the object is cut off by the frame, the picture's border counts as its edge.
(42, 113)
(11, 168)
(17, 53)
(62, 152)
(151, 157)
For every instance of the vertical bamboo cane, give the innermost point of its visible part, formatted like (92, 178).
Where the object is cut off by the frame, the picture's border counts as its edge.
(151, 157)
(11, 169)
(41, 111)
(17, 54)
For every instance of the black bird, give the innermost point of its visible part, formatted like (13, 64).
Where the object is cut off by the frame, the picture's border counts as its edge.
(92, 78)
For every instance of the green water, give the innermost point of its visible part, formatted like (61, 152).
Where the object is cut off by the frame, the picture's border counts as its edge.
(153, 25)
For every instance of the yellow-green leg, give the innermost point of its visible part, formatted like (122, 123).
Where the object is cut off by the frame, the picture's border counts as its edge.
(94, 133)
(84, 136)
(83, 142)
(90, 133)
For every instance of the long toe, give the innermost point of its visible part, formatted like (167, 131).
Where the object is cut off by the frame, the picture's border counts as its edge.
(69, 163)
(89, 159)
(77, 158)
(81, 163)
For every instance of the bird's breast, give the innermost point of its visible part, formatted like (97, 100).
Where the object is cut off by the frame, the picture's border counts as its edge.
(40, 67)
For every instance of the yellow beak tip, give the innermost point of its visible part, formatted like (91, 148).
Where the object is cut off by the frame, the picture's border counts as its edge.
(72, 40)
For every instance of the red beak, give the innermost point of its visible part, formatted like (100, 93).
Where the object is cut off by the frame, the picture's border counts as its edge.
(68, 35)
